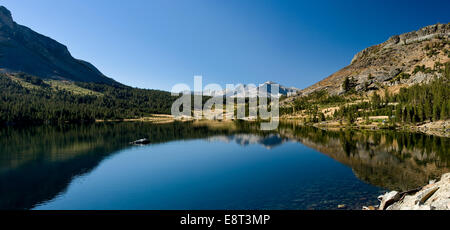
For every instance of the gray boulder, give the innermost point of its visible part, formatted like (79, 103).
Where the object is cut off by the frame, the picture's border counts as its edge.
(434, 196)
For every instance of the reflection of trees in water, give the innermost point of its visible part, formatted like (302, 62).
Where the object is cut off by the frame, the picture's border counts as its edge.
(390, 159)
(53, 143)
(386, 158)
(37, 163)
(348, 145)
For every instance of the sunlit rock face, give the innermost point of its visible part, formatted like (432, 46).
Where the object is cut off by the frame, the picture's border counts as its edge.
(393, 62)
(434, 196)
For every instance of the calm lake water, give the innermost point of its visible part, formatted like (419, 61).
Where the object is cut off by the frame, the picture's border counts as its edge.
(202, 165)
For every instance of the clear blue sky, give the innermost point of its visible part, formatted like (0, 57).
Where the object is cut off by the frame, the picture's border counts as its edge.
(159, 43)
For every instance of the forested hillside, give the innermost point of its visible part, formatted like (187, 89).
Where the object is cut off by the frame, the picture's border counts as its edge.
(29, 99)
(40, 82)
(415, 104)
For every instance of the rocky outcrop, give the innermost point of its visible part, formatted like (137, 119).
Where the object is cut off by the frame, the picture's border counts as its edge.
(436, 128)
(23, 50)
(394, 62)
(423, 34)
(143, 141)
(434, 196)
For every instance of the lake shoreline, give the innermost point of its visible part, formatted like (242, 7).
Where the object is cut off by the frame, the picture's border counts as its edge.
(354, 166)
(437, 128)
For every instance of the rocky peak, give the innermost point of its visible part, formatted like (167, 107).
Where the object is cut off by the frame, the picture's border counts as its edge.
(269, 83)
(425, 33)
(6, 18)
(401, 61)
(26, 51)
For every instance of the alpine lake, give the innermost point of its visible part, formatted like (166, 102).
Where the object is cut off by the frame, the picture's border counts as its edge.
(210, 165)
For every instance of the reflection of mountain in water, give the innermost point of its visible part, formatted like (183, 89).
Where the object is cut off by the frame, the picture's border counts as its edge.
(268, 141)
(389, 159)
(37, 164)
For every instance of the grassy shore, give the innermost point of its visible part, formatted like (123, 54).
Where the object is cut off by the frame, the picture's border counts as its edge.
(154, 118)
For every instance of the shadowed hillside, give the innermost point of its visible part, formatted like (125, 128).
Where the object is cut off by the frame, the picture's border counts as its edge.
(23, 50)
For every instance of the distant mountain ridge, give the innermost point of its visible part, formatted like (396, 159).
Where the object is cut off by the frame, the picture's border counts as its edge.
(23, 50)
(242, 90)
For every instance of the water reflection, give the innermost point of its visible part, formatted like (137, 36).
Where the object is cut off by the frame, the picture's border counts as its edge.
(269, 141)
(389, 159)
(38, 163)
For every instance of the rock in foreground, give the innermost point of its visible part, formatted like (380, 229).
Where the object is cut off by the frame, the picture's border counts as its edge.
(434, 196)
